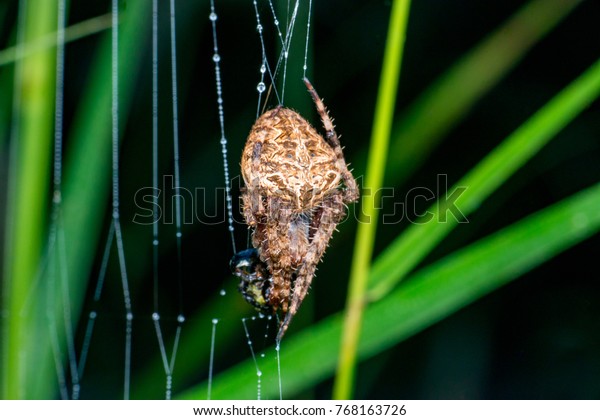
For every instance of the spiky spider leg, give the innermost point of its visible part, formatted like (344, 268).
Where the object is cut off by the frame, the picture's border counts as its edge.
(332, 212)
(351, 193)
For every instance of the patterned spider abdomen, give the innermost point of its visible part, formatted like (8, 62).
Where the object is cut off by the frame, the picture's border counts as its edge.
(285, 157)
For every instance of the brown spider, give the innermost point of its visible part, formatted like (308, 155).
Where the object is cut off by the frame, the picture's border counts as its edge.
(293, 201)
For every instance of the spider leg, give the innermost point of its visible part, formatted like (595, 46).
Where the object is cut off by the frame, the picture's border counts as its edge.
(279, 242)
(330, 134)
(252, 195)
(332, 211)
(259, 240)
(249, 210)
(351, 193)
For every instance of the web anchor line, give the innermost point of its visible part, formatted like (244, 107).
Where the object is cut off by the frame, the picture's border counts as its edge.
(115, 234)
(305, 66)
(264, 66)
(116, 210)
(217, 59)
(178, 235)
(285, 43)
(56, 240)
(213, 337)
(250, 346)
(168, 362)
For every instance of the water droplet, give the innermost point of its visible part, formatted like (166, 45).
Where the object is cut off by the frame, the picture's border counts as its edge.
(129, 316)
(258, 373)
(263, 68)
(178, 234)
(212, 16)
(155, 316)
(277, 347)
(259, 27)
(181, 319)
(262, 355)
(216, 58)
(222, 292)
(276, 22)
(261, 87)
(215, 321)
(223, 140)
(155, 242)
(93, 315)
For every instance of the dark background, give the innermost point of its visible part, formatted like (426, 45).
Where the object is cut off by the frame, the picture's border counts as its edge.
(535, 338)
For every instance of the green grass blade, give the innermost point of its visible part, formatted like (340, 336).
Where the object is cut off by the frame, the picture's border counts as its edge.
(28, 197)
(85, 187)
(365, 237)
(449, 99)
(427, 297)
(415, 243)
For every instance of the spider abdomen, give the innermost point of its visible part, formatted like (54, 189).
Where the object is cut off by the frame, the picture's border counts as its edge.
(292, 160)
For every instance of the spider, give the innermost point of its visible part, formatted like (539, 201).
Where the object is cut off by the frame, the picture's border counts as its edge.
(297, 186)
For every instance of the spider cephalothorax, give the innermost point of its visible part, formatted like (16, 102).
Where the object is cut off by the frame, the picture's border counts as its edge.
(297, 185)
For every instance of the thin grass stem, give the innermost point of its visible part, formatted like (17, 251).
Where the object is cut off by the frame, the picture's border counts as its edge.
(365, 238)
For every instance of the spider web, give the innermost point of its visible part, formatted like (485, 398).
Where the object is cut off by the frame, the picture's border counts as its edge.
(71, 336)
